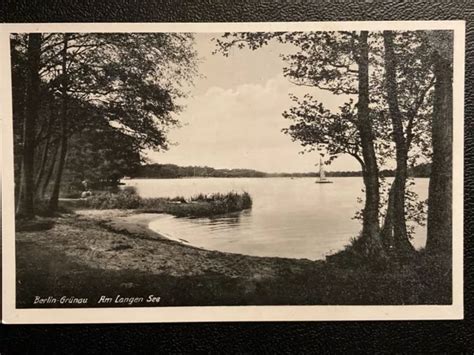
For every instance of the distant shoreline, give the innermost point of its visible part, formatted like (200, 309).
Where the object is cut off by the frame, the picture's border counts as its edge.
(172, 171)
(250, 177)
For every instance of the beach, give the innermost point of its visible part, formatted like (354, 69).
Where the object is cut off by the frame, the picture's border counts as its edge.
(92, 253)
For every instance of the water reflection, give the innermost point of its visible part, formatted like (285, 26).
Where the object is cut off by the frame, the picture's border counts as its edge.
(289, 218)
(229, 220)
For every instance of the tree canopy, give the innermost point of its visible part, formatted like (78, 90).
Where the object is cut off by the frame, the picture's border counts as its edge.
(127, 86)
(396, 124)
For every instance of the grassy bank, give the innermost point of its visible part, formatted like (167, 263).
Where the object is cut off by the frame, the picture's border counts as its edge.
(202, 205)
(87, 257)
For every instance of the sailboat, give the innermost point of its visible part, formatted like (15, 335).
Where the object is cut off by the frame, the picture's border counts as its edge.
(322, 175)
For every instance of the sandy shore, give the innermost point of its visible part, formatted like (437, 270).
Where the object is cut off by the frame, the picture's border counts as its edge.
(128, 221)
(92, 253)
(121, 239)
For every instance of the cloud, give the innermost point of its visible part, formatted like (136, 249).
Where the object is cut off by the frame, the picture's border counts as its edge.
(241, 127)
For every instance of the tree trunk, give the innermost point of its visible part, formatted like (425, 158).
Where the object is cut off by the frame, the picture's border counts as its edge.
(393, 241)
(49, 174)
(44, 156)
(439, 239)
(42, 167)
(19, 114)
(47, 146)
(53, 202)
(370, 229)
(26, 196)
(387, 229)
(395, 236)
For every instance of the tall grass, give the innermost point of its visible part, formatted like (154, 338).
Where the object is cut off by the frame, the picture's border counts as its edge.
(202, 205)
(126, 199)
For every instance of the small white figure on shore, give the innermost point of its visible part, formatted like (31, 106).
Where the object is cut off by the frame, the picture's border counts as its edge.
(85, 194)
(85, 184)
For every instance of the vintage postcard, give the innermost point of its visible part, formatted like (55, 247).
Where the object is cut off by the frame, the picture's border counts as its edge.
(232, 171)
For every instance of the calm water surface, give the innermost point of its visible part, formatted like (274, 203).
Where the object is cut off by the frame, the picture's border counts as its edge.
(293, 218)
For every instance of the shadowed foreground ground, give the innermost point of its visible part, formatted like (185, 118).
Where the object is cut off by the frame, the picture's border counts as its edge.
(113, 253)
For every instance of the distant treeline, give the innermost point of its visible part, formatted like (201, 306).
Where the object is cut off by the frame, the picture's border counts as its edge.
(172, 171)
(169, 171)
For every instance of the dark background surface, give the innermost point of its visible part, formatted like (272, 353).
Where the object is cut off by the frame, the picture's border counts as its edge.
(451, 336)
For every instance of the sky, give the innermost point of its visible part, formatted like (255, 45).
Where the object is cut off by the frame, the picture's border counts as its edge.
(233, 117)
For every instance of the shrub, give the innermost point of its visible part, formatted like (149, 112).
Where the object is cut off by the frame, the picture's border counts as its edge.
(201, 205)
(232, 199)
(209, 205)
(125, 199)
(156, 205)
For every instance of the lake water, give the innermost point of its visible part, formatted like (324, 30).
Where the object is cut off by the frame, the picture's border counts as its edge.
(294, 218)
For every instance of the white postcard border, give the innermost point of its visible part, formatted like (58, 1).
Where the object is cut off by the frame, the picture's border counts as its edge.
(227, 313)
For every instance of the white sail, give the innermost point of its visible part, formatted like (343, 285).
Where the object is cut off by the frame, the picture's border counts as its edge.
(322, 176)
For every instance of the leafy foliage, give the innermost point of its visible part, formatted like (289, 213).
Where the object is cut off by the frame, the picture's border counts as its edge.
(317, 128)
(101, 156)
(329, 61)
(415, 209)
(123, 90)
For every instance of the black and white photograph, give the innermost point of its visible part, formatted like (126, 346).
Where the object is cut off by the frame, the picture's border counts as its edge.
(234, 167)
